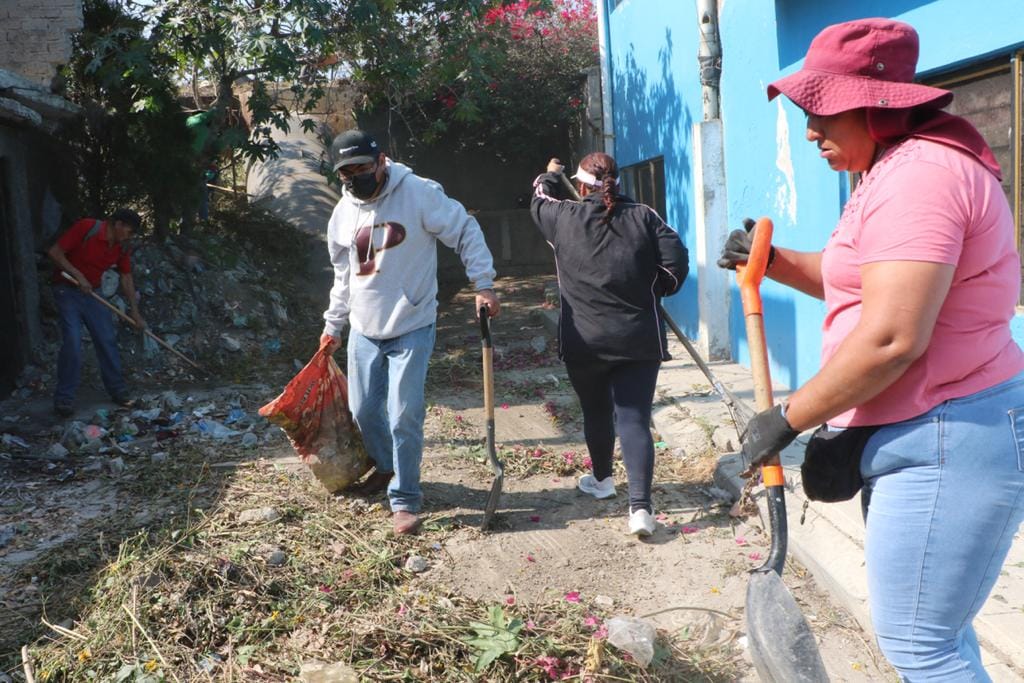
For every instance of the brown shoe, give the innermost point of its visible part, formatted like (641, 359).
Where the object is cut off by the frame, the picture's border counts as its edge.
(375, 483)
(405, 523)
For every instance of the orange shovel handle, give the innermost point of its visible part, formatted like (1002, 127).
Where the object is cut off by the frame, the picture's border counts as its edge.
(749, 277)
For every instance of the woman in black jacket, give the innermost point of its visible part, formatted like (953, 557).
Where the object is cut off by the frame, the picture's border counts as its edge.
(615, 260)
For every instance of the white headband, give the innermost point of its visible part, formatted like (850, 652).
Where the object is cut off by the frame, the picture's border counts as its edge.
(589, 178)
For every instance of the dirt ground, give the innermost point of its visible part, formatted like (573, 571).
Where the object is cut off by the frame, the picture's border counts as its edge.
(550, 540)
(548, 544)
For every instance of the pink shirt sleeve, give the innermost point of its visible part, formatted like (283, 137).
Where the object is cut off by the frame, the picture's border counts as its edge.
(917, 213)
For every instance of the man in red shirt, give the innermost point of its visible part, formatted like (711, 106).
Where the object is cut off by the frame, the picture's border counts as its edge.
(84, 252)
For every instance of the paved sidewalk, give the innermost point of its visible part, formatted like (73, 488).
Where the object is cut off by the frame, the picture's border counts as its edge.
(830, 542)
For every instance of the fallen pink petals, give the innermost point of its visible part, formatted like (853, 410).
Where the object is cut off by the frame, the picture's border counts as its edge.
(572, 596)
(756, 557)
(504, 406)
(688, 529)
(510, 599)
(534, 518)
(742, 542)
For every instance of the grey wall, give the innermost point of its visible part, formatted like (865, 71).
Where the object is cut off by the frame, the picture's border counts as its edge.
(515, 244)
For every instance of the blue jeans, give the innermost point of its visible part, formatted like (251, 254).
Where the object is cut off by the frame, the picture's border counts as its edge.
(386, 379)
(76, 308)
(946, 498)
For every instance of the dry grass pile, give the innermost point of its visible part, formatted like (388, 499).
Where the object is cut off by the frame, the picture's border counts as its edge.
(276, 573)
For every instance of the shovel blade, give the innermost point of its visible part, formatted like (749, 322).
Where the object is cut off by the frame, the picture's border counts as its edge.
(781, 643)
(492, 500)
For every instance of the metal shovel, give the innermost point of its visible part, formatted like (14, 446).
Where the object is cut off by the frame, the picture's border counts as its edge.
(741, 412)
(781, 642)
(492, 455)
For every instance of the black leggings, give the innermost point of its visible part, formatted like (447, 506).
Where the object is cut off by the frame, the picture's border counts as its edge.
(616, 397)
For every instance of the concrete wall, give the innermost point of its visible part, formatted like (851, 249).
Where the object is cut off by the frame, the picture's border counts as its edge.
(515, 243)
(19, 291)
(769, 168)
(35, 36)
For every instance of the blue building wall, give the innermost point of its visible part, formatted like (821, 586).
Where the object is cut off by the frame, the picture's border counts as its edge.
(771, 170)
(656, 99)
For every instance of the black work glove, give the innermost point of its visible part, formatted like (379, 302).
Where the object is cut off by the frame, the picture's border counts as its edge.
(737, 247)
(768, 432)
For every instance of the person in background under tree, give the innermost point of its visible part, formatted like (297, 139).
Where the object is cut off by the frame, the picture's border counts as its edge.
(382, 239)
(84, 252)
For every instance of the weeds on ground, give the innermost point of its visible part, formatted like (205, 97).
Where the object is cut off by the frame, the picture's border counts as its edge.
(216, 597)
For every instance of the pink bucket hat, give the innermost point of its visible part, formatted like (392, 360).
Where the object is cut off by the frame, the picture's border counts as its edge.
(860, 63)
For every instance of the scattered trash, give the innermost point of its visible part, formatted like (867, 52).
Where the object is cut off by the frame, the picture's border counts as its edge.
(272, 346)
(277, 558)
(57, 451)
(159, 457)
(250, 440)
(230, 343)
(115, 465)
(12, 440)
(539, 344)
(93, 432)
(634, 636)
(604, 601)
(234, 415)
(212, 428)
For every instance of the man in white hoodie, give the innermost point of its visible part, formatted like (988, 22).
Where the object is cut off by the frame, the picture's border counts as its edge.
(382, 240)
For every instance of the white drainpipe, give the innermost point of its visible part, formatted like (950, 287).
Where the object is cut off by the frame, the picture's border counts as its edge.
(607, 131)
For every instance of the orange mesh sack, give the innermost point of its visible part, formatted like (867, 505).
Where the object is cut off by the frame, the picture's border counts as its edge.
(313, 411)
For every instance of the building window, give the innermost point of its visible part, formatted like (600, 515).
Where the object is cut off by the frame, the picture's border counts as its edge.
(645, 183)
(990, 96)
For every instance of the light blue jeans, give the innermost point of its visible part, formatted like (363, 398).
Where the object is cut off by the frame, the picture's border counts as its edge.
(386, 379)
(946, 498)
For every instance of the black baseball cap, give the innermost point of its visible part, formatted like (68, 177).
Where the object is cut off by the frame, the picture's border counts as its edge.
(353, 147)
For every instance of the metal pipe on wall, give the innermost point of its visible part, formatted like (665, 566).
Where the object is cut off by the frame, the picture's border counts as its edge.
(709, 56)
(607, 130)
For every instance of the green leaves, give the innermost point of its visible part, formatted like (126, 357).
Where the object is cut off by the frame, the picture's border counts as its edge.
(494, 638)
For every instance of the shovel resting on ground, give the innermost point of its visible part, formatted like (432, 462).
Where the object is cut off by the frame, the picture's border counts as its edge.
(781, 643)
(492, 455)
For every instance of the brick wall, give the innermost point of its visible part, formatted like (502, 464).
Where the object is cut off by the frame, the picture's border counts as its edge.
(35, 36)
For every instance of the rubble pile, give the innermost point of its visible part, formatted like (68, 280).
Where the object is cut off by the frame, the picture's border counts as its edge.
(222, 422)
(227, 298)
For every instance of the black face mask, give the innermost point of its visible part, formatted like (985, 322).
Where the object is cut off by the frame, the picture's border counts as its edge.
(363, 185)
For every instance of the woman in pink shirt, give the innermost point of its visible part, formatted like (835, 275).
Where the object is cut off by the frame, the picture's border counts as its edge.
(920, 280)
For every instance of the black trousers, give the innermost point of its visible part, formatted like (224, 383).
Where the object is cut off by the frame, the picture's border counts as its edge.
(616, 398)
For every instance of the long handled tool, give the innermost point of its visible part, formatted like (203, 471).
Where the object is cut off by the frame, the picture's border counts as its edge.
(492, 455)
(781, 643)
(117, 311)
(740, 411)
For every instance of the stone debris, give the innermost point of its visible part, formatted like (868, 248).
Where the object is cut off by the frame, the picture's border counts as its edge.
(257, 515)
(416, 564)
(324, 672)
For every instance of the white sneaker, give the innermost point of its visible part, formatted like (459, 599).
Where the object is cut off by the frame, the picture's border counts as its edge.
(641, 523)
(598, 489)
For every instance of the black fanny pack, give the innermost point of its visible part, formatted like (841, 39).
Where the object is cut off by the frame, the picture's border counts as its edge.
(831, 467)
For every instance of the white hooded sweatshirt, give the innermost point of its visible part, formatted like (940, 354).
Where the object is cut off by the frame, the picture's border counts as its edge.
(384, 252)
